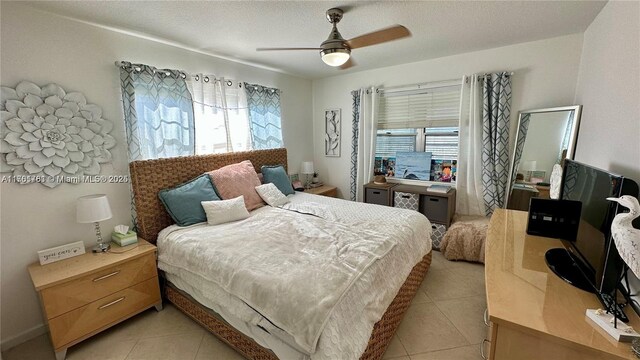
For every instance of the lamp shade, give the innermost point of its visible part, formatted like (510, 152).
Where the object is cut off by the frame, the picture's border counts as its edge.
(307, 167)
(93, 208)
(529, 165)
(334, 57)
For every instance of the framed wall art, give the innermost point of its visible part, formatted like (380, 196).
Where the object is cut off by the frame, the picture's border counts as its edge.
(333, 132)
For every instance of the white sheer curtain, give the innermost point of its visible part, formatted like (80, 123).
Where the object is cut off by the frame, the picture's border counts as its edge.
(221, 115)
(469, 196)
(365, 138)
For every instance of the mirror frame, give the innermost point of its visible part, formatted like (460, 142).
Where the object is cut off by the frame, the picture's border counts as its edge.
(571, 150)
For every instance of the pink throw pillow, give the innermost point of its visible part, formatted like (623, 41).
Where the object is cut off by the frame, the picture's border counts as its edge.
(238, 179)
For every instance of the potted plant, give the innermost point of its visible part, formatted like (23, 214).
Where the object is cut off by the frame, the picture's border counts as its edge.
(315, 178)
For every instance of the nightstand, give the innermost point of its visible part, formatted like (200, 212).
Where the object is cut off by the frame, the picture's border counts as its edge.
(324, 190)
(84, 295)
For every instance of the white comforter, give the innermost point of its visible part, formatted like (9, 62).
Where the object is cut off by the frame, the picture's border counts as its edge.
(320, 285)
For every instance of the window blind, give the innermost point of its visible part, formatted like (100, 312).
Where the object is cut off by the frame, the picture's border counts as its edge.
(390, 142)
(442, 142)
(421, 108)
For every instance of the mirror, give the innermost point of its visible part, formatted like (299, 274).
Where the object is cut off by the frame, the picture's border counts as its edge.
(545, 138)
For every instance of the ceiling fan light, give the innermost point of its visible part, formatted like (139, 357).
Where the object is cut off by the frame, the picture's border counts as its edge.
(335, 57)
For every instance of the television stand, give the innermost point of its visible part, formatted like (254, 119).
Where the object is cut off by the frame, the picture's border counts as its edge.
(562, 263)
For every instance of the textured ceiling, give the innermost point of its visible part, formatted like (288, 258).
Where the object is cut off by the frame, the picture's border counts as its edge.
(234, 29)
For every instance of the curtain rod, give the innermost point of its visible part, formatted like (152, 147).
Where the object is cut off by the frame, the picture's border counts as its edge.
(205, 78)
(484, 76)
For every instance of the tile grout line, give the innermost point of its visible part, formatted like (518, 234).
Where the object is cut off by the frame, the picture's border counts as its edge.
(451, 321)
(199, 346)
(131, 350)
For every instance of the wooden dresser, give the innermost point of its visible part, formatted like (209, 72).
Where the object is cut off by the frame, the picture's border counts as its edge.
(532, 313)
(86, 294)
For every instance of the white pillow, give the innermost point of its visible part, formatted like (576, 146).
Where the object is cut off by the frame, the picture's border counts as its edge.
(272, 195)
(224, 211)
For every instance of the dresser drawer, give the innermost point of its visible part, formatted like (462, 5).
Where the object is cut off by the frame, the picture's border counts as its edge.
(406, 200)
(73, 294)
(377, 196)
(103, 312)
(436, 208)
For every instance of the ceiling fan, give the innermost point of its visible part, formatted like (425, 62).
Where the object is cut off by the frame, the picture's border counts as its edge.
(336, 51)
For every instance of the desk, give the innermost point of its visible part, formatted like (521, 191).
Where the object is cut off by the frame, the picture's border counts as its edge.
(533, 313)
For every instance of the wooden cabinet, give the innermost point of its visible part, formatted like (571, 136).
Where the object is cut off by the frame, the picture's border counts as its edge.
(84, 295)
(533, 313)
(324, 190)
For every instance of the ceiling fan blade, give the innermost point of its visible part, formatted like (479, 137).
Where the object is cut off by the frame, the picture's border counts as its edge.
(348, 64)
(279, 49)
(378, 37)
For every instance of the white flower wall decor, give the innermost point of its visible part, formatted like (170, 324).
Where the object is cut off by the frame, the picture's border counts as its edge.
(48, 135)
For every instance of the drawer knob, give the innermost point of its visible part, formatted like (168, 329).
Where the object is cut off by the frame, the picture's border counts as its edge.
(405, 196)
(377, 192)
(111, 303)
(106, 276)
(434, 199)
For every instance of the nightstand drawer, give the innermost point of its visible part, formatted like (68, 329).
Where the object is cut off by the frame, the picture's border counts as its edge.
(73, 294)
(111, 309)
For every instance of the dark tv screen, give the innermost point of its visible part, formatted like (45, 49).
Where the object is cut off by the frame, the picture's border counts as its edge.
(592, 187)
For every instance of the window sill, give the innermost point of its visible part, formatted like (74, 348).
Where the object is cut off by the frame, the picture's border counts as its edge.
(419, 182)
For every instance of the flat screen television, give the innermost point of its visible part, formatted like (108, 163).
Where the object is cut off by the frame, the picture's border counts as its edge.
(598, 263)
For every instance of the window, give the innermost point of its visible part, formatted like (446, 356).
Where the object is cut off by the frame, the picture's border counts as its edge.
(422, 120)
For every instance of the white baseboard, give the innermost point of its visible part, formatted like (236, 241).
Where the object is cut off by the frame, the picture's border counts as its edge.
(24, 336)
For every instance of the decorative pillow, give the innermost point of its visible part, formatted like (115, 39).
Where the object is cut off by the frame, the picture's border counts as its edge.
(238, 179)
(272, 195)
(224, 211)
(278, 176)
(183, 201)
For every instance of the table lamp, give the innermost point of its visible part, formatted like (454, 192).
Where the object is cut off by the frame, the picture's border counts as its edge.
(93, 209)
(307, 169)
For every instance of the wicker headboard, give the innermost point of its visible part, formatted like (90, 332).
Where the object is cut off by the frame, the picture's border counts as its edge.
(148, 177)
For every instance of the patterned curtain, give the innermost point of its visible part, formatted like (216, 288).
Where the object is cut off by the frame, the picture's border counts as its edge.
(158, 115)
(158, 112)
(354, 142)
(495, 139)
(363, 140)
(264, 116)
(523, 128)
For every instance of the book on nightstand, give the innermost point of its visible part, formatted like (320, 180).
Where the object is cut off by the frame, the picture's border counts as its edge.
(124, 239)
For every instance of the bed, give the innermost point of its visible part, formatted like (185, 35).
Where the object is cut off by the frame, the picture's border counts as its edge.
(150, 176)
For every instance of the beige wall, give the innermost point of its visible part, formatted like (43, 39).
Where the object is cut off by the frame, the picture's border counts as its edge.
(609, 88)
(545, 76)
(44, 48)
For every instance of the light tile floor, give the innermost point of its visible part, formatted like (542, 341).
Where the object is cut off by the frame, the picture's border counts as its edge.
(444, 322)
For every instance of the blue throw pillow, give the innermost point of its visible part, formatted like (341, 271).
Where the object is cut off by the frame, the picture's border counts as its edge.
(278, 176)
(183, 201)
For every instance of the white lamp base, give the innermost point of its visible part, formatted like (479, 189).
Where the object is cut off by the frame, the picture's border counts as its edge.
(623, 332)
